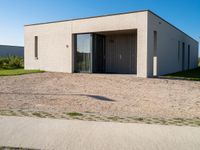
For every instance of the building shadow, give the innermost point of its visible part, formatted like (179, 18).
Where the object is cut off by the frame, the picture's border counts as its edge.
(103, 98)
(96, 97)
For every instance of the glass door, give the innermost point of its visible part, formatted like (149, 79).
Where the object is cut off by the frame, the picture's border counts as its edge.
(83, 53)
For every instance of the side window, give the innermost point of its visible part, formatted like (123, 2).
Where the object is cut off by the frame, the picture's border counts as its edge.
(179, 50)
(183, 56)
(155, 43)
(188, 57)
(155, 59)
(36, 47)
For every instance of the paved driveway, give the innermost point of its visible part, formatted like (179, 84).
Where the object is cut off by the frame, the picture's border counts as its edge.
(84, 135)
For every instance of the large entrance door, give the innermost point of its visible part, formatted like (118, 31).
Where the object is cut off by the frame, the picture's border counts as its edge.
(120, 54)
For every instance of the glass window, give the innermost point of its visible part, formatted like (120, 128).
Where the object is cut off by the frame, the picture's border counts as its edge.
(36, 47)
(83, 53)
(155, 43)
(179, 48)
(188, 57)
(183, 56)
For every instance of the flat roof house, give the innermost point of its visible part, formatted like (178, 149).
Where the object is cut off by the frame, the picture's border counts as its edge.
(137, 42)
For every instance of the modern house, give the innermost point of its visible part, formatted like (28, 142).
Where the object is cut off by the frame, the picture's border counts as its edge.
(8, 50)
(139, 42)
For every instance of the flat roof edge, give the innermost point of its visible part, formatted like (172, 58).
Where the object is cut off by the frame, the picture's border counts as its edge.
(88, 17)
(172, 25)
(145, 10)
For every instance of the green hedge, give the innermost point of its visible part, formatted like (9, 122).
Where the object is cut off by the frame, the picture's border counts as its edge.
(11, 62)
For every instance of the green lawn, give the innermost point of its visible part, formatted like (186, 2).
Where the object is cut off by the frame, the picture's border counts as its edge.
(14, 72)
(188, 75)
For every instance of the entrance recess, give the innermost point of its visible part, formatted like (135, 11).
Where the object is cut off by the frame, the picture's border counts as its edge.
(106, 52)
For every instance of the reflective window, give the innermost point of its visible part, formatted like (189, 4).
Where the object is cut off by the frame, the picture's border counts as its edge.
(83, 53)
(36, 47)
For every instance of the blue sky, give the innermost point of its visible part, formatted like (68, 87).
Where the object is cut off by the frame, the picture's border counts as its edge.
(14, 14)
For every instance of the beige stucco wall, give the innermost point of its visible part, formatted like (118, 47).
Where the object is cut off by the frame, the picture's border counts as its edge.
(53, 38)
(167, 47)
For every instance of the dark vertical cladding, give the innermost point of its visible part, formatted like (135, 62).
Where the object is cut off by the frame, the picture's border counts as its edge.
(121, 55)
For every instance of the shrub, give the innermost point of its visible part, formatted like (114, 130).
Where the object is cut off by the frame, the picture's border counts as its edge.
(11, 62)
(3, 62)
(16, 62)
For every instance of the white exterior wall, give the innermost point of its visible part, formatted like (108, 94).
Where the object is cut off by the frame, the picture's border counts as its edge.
(55, 48)
(53, 53)
(167, 47)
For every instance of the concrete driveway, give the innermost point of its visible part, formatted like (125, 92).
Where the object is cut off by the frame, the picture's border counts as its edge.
(83, 135)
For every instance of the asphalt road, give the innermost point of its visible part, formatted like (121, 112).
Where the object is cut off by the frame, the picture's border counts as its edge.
(83, 135)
